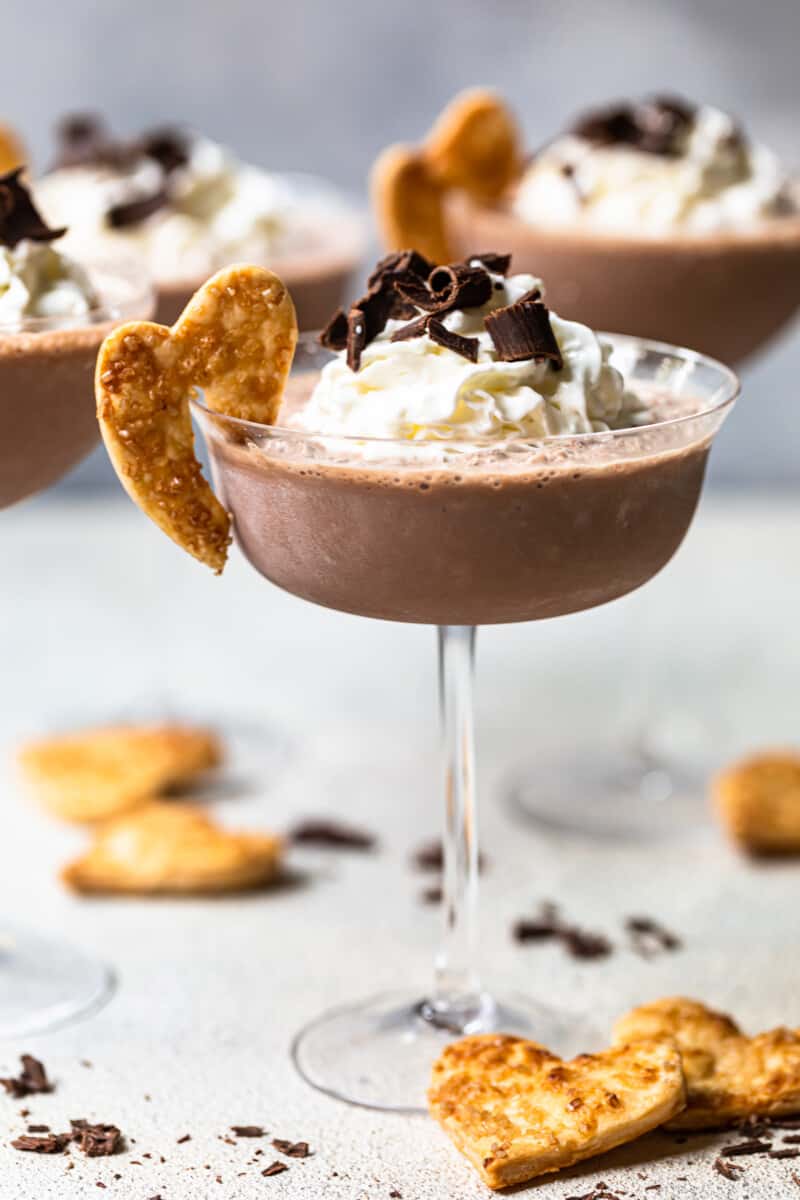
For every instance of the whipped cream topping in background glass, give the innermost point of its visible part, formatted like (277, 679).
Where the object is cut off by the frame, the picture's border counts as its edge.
(717, 181)
(219, 211)
(37, 280)
(420, 391)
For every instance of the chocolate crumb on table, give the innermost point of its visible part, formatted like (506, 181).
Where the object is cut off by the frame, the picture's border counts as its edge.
(754, 1146)
(649, 936)
(248, 1131)
(276, 1168)
(549, 924)
(96, 1141)
(49, 1143)
(331, 834)
(728, 1170)
(187, 1137)
(292, 1149)
(31, 1080)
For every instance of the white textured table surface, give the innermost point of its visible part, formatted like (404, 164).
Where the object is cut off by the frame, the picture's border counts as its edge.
(99, 614)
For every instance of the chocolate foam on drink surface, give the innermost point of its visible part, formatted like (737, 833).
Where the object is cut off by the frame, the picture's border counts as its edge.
(405, 282)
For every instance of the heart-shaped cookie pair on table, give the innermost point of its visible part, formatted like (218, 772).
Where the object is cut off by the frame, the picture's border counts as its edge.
(235, 340)
(516, 1111)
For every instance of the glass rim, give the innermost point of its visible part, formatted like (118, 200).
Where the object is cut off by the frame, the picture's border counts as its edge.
(725, 395)
(138, 303)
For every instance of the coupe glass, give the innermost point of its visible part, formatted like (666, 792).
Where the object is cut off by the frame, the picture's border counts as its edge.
(47, 425)
(458, 534)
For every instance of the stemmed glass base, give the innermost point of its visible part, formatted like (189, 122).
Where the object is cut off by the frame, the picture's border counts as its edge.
(45, 983)
(379, 1053)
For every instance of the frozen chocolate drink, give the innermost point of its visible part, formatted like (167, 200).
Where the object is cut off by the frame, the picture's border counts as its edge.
(54, 313)
(652, 218)
(186, 206)
(454, 453)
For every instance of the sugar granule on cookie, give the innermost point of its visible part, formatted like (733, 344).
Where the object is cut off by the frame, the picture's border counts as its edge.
(99, 773)
(235, 340)
(516, 1111)
(758, 802)
(729, 1076)
(173, 849)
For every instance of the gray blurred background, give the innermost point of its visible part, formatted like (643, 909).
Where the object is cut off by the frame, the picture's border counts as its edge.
(322, 86)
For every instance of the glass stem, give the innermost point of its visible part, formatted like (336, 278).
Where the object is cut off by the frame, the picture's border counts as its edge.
(457, 1000)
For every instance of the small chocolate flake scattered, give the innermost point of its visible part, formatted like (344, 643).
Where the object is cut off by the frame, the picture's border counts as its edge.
(50, 1143)
(32, 1078)
(395, 1195)
(522, 331)
(653, 1187)
(292, 1149)
(187, 1137)
(795, 1178)
(788, 1152)
(333, 834)
(96, 1141)
(38, 1129)
(784, 1122)
(580, 943)
(430, 857)
(276, 1168)
(754, 1146)
(248, 1131)
(648, 937)
(467, 347)
(432, 895)
(792, 1141)
(727, 1169)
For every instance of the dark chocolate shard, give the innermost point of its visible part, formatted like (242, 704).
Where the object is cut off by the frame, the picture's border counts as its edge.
(467, 347)
(333, 834)
(167, 146)
(654, 126)
(412, 330)
(19, 217)
(416, 292)
(49, 1143)
(498, 264)
(31, 1079)
(133, 212)
(276, 1168)
(460, 286)
(334, 335)
(356, 337)
(248, 1131)
(400, 263)
(522, 331)
(96, 1141)
(648, 937)
(727, 1170)
(291, 1149)
(82, 140)
(740, 1149)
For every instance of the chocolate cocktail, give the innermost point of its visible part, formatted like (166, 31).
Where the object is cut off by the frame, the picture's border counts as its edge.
(54, 313)
(454, 454)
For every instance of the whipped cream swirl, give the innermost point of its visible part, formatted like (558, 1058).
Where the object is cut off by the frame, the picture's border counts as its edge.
(37, 280)
(715, 181)
(419, 390)
(218, 210)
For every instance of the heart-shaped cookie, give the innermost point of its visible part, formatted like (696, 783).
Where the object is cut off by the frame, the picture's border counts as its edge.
(98, 773)
(235, 340)
(475, 146)
(173, 848)
(517, 1111)
(758, 801)
(408, 203)
(728, 1075)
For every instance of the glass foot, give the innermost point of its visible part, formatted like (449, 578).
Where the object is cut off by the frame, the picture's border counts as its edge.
(611, 792)
(45, 983)
(379, 1053)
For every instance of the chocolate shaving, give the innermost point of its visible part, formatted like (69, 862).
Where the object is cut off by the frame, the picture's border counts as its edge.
(276, 1168)
(133, 212)
(788, 1152)
(31, 1080)
(167, 146)
(331, 834)
(794, 1140)
(728, 1170)
(467, 347)
(754, 1146)
(334, 335)
(398, 264)
(549, 924)
(654, 126)
(248, 1131)
(186, 1137)
(96, 1141)
(432, 895)
(459, 286)
(51, 1143)
(19, 217)
(648, 937)
(413, 329)
(522, 331)
(430, 857)
(356, 337)
(292, 1149)
(498, 264)
(46, 1129)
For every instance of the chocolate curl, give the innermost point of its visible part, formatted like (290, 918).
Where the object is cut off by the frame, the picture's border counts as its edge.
(334, 335)
(19, 217)
(522, 331)
(467, 347)
(460, 286)
(133, 212)
(401, 263)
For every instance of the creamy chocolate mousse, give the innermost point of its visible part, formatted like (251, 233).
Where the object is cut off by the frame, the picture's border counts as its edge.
(53, 316)
(187, 207)
(653, 218)
(465, 457)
